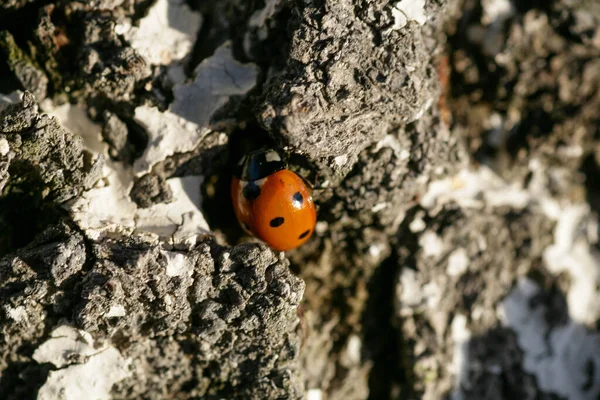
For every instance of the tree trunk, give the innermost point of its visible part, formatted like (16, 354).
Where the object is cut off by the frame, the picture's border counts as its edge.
(454, 150)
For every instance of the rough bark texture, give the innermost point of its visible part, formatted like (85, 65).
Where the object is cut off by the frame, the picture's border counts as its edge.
(455, 146)
(211, 321)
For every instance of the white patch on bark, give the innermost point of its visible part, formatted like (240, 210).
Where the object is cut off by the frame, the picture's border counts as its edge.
(406, 11)
(564, 359)
(108, 209)
(166, 34)
(458, 262)
(183, 126)
(177, 264)
(84, 371)
(571, 253)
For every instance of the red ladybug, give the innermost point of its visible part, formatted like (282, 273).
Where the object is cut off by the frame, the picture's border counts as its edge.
(272, 202)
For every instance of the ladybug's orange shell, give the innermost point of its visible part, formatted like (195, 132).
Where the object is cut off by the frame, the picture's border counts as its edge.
(283, 215)
(241, 206)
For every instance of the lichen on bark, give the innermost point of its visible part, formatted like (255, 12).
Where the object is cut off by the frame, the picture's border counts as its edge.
(453, 146)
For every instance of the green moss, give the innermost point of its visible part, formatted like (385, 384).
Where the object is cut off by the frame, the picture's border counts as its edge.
(14, 54)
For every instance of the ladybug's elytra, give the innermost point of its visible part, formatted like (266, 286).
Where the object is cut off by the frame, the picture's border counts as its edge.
(272, 202)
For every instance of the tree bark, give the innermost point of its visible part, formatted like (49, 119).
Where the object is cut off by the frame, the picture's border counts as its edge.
(453, 147)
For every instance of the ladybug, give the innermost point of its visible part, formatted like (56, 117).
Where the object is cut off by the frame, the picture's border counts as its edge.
(271, 202)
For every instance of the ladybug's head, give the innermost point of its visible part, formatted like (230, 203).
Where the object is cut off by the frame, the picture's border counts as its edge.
(259, 164)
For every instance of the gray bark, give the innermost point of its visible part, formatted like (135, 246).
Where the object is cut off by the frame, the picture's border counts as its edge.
(455, 149)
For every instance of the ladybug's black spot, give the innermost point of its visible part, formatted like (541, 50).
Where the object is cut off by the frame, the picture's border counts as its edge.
(251, 191)
(297, 199)
(275, 222)
(304, 234)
